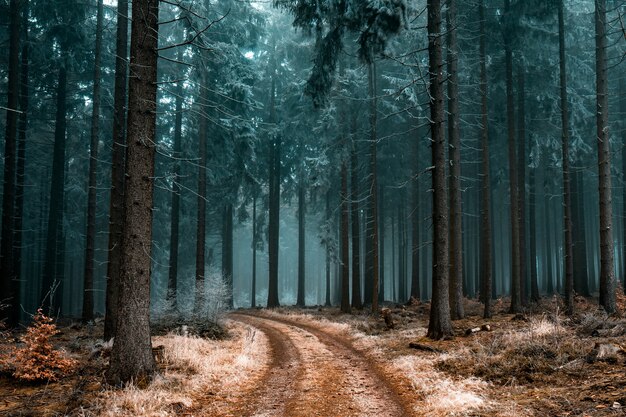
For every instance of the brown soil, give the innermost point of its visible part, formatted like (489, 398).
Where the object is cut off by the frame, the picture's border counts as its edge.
(316, 373)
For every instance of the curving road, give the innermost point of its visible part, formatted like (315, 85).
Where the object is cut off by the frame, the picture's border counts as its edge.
(313, 372)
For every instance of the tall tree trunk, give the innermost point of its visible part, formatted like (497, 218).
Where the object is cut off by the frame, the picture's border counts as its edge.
(454, 142)
(20, 172)
(345, 259)
(227, 251)
(131, 355)
(567, 203)
(7, 273)
(516, 300)
(440, 324)
(51, 299)
(622, 108)
(581, 280)
(301, 301)
(486, 267)
(172, 278)
(415, 230)
(532, 206)
(201, 217)
(116, 207)
(357, 303)
(274, 206)
(381, 229)
(373, 199)
(254, 246)
(327, 216)
(521, 184)
(93, 171)
(607, 273)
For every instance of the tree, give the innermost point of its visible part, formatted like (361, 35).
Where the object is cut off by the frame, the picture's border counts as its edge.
(373, 186)
(7, 273)
(201, 217)
(439, 325)
(357, 302)
(567, 201)
(516, 300)
(116, 205)
(607, 272)
(454, 139)
(172, 281)
(131, 355)
(93, 165)
(485, 187)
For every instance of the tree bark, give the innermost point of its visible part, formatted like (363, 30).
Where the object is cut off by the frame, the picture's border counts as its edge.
(607, 273)
(327, 216)
(486, 271)
(373, 200)
(345, 260)
(274, 206)
(357, 302)
(415, 230)
(381, 239)
(516, 300)
(454, 141)
(521, 184)
(227, 252)
(20, 172)
(131, 355)
(172, 279)
(254, 246)
(622, 108)
(440, 324)
(201, 217)
(116, 206)
(301, 301)
(532, 206)
(93, 171)
(50, 301)
(7, 263)
(567, 202)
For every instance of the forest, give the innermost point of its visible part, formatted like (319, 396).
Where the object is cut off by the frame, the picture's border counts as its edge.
(313, 207)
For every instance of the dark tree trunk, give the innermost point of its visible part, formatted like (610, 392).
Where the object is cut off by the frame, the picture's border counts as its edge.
(415, 230)
(516, 300)
(93, 171)
(131, 355)
(51, 299)
(254, 246)
(301, 242)
(357, 302)
(172, 279)
(521, 184)
(440, 324)
(227, 252)
(7, 263)
(567, 203)
(20, 173)
(454, 142)
(327, 302)
(345, 258)
(607, 273)
(274, 207)
(532, 206)
(622, 108)
(116, 207)
(373, 199)
(381, 228)
(581, 280)
(486, 270)
(201, 217)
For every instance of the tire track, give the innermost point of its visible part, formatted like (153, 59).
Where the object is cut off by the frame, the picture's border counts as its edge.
(327, 376)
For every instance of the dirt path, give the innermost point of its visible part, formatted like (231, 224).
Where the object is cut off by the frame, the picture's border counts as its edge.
(315, 373)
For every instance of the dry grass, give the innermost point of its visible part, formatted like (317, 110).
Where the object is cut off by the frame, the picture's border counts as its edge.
(544, 349)
(191, 368)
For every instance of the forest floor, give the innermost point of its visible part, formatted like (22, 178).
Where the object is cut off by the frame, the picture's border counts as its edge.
(319, 362)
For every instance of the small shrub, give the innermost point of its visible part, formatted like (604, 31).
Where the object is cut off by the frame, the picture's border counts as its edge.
(37, 360)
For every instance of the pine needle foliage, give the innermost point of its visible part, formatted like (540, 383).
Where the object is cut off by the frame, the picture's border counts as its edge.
(37, 360)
